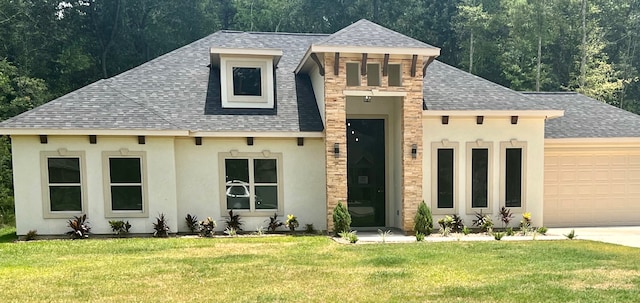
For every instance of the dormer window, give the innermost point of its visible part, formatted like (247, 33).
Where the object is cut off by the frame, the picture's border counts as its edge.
(246, 76)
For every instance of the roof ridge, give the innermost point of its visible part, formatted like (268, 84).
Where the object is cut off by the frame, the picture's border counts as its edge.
(155, 112)
(549, 93)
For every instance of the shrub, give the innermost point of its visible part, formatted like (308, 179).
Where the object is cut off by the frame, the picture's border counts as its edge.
(260, 230)
(292, 223)
(423, 220)
(384, 234)
(234, 221)
(509, 231)
(349, 236)
(309, 229)
(274, 223)
(192, 223)
(341, 219)
(207, 227)
(525, 223)
(466, 230)
(542, 230)
(419, 237)
(446, 224)
(31, 235)
(161, 228)
(505, 216)
(498, 235)
(572, 235)
(79, 227)
(231, 231)
(457, 224)
(483, 221)
(120, 227)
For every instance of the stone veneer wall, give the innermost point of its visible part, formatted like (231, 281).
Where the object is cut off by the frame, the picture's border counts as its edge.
(335, 131)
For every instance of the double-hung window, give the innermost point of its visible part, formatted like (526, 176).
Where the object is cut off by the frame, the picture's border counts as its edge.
(252, 182)
(125, 185)
(444, 183)
(63, 178)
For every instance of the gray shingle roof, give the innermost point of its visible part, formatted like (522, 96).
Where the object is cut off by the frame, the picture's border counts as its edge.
(585, 117)
(365, 33)
(449, 88)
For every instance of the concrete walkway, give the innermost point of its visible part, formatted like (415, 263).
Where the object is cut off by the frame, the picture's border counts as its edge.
(627, 236)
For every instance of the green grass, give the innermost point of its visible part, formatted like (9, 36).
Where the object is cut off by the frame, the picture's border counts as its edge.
(315, 269)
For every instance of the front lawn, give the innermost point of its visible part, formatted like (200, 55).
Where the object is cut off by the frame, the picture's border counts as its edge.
(315, 269)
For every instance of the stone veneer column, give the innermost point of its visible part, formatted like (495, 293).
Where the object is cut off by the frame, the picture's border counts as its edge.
(335, 132)
(411, 134)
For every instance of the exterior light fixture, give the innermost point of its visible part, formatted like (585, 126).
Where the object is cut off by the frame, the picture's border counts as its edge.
(514, 119)
(336, 150)
(367, 99)
(414, 151)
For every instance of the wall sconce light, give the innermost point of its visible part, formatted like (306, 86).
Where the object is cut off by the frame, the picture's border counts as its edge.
(445, 119)
(414, 151)
(249, 140)
(141, 140)
(514, 119)
(367, 99)
(336, 150)
(43, 139)
(479, 119)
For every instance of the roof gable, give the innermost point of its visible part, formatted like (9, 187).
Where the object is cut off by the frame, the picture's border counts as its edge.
(365, 33)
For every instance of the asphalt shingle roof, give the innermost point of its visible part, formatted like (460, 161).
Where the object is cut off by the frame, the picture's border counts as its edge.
(365, 33)
(585, 117)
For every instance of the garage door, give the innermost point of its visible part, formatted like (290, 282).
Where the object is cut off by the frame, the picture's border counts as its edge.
(592, 188)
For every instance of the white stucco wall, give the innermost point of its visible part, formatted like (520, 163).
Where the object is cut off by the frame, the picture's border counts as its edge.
(495, 130)
(317, 82)
(28, 188)
(199, 181)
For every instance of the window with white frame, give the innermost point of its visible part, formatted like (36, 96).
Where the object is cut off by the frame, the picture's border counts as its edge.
(444, 184)
(247, 82)
(513, 174)
(479, 167)
(125, 189)
(62, 180)
(252, 182)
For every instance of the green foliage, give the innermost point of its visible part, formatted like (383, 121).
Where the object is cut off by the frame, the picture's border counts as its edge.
(423, 221)
(120, 227)
(457, 224)
(160, 227)
(192, 223)
(341, 219)
(309, 229)
(233, 221)
(525, 223)
(274, 223)
(79, 227)
(572, 235)
(446, 225)
(542, 230)
(31, 235)
(384, 234)
(292, 223)
(505, 216)
(498, 235)
(419, 237)
(208, 227)
(483, 221)
(466, 231)
(350, 236)
(232, 232)
(509, 231)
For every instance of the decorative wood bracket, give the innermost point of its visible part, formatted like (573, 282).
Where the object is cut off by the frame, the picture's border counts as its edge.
(363, 65)
(385, 66)
(426, 64)
(414, 61)
(315, 59)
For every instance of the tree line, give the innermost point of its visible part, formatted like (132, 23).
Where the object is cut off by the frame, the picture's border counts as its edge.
(51, 47)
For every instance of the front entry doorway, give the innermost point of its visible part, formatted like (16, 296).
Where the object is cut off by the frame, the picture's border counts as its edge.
(366, 172)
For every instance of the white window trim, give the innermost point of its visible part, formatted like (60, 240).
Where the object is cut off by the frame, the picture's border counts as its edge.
(44, 173)
(229, 100)
(106, 177)
(503, 157)
(358, 75)
(379, 73)
(479, 144)
(399, 74)
(251, 212)
(435, 146)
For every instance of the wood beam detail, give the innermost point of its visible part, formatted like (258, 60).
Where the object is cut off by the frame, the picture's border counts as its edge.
(385, 66)
(414, 61)
(315, 59)
(363, 65)
(426, 64)
(336, 64)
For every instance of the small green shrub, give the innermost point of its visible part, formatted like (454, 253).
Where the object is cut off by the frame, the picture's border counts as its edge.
(79, 227)
(233, 221)
(274, 223)
(120, 227)
(341, 219)
(542, 230)
(207, 227)
(498, 235)
(309, 229)
(572, 235)
(525, 223)
(31, 235)
(292, 223)
(160, 227)
(483, 221)
(457, 224)
(260, 230)
(423, 221)
(231, 231)
(349, 236)
(446, 224)
(384, 234)
(466, 230)
(509, 231)
(419, 237)
(192, 223)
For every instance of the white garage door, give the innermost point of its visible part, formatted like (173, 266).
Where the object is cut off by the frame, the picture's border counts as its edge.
(592, 188)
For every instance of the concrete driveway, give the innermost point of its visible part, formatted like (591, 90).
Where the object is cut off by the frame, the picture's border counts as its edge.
(624, 235)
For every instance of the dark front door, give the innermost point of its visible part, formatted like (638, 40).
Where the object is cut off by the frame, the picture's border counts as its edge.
(366, 172)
